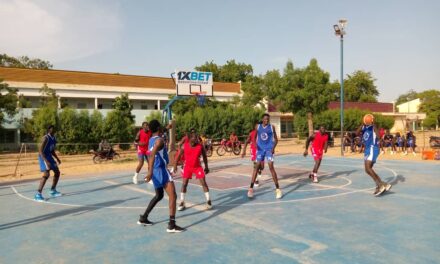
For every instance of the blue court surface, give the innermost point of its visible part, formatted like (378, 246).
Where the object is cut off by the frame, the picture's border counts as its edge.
(337, 220)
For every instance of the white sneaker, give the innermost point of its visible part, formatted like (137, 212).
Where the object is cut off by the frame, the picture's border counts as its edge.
(405, 153)
(250, 193)
(181, 206)
(135, 179)
(392, 152)
(414, 154)
(315, 179)
(382, 152)
(278, 194)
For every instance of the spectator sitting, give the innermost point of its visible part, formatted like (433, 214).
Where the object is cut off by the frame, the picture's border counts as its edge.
(348, 141)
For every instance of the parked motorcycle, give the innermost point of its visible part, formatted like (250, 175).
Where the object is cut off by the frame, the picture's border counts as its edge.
(101, 156)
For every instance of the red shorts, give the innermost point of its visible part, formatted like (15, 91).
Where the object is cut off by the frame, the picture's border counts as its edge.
(187, 172)
(253, 154)
(317, 153)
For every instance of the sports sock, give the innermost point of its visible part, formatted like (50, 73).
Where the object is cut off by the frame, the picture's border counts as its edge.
(207, 196)
(172, 220)
(182, 196)
(136, 174)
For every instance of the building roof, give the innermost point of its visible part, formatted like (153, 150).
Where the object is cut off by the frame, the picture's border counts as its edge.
(96, 78)
(373, 107)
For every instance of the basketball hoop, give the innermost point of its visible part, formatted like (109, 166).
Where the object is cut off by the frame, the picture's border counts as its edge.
(201, 97)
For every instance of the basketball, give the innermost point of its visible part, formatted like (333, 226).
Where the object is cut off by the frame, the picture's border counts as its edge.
(368, 119)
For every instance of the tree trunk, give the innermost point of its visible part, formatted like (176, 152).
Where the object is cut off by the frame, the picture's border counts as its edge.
(310, 123)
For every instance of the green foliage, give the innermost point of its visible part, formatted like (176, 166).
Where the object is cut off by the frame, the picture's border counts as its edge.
(331, 120)
(408, 96)
(8, 101)
(24, 62)
(253, 91)
(97, 127)
(430, 104)
(359, 87)
(124, 106)
(154, 115)
(218, 122)
(41, 119)
(230, 72)
(118, 128)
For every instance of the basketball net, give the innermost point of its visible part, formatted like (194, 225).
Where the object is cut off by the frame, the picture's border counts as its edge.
(201, 97)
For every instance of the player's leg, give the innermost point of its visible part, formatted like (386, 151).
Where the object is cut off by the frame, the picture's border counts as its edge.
(39, 196)
(56, 177)
(316, 168)
(270, 159)
(206, 192)
(182, 194)
(141, 157)
(250, 193)
(171, 192)
(143, 219)
(370, 158)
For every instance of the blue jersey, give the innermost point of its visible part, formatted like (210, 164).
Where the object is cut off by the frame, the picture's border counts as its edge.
(50, 145)
(265, 137)
(160, 160)
(369, 137)
(160, 175)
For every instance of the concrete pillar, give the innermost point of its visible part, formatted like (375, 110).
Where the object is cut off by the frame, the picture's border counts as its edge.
(96, 103)
(158, 104)
(59, 102)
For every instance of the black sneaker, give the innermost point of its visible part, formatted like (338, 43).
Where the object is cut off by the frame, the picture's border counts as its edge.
(208, 205)
(174, 229)
(144, 221)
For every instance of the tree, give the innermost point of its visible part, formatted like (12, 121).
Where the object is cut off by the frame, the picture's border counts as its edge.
(408, 96)
(230, 72)
(24, 62)
(307, 91)
(430, 104)
(253, 91)
(154, 115)
(124, 106)
(359, 87)
(8, 101)
(118, 128)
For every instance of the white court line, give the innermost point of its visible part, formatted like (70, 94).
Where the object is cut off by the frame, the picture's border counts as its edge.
(236, 204)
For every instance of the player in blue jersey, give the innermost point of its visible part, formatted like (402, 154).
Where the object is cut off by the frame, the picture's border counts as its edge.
(162, 180)
(267, 140)
(371, 142)
(46, 154)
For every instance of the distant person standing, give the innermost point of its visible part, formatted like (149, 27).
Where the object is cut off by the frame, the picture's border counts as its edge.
(141, 140)
(410, 143)
(46, 155)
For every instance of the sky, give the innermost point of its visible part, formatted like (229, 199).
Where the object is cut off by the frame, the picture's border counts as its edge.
(397, 41)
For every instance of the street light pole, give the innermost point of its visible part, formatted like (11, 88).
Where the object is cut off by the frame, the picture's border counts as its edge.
(339, 31)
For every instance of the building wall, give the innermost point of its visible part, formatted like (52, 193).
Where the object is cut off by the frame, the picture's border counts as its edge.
(409, 107)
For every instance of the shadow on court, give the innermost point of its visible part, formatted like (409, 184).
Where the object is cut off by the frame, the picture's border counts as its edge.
(71, 211)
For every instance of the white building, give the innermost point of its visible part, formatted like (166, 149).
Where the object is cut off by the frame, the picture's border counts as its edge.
(91, 90)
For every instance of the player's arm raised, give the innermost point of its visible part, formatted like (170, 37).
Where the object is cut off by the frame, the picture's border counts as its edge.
(158, 145)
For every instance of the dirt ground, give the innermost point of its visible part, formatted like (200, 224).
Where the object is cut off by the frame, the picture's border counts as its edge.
(82, 165)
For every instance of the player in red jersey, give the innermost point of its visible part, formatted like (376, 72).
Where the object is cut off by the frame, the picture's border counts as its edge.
(141, 140)
(319, 141)
(192, 151)
(251, 139)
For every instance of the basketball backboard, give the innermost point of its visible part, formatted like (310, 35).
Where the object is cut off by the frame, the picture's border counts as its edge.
(190, 83)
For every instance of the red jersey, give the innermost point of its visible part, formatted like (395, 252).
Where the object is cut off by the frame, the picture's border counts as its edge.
(192, 155)
(144, 137)
(319, 141)
(253, 137)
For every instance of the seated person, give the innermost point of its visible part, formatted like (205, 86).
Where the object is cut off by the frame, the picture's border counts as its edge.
(233, 140)
(388, 141)
(348, 141)
(399, 142)
(105, 148)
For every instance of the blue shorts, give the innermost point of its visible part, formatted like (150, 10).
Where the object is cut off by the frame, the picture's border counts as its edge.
(265, 155)
(388, 144)
(410, 143)
(371, 153)
(161, 177)
(47, 167)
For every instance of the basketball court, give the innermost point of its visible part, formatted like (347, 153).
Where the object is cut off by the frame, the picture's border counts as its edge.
(337, 220)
